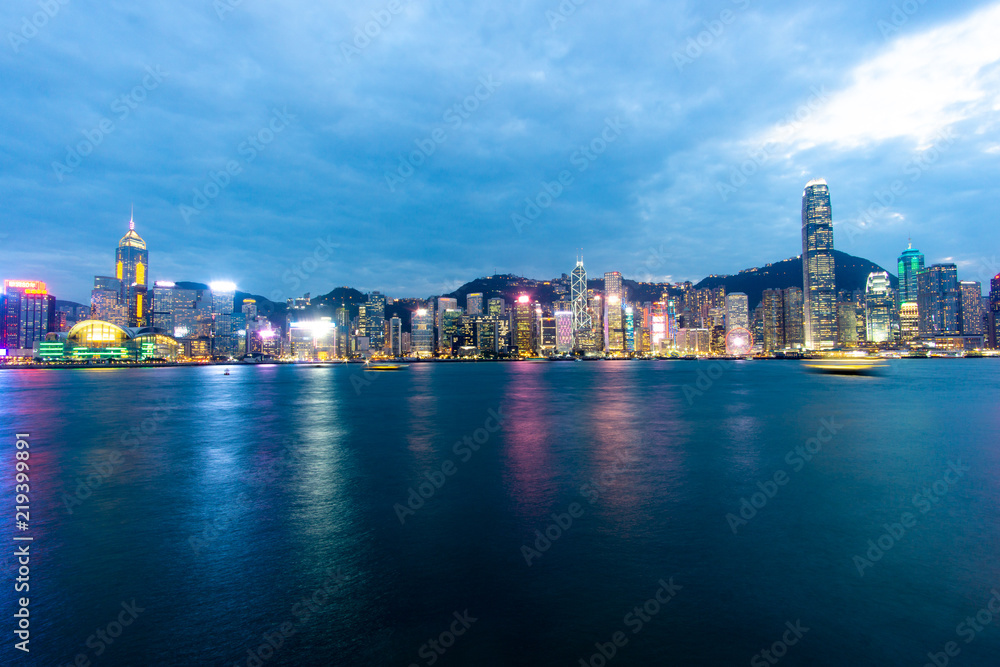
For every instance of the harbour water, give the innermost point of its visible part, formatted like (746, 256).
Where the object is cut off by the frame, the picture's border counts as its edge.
(620, 513)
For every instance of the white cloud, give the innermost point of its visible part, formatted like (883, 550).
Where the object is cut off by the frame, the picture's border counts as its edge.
(921, 85)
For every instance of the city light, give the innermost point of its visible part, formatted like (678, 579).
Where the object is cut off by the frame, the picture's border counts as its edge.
(524, 298)
(222, 286)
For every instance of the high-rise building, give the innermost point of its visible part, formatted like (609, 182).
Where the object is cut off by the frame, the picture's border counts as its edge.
(547, 335)
(375, 313)
(737, 311)
(564, 331)
(443, 303)
(792, 303)
(225, 342)
(995, 312)
(910, 263)
(474, 303)
(971, 315)
(879, 305)
(422, 332)
(614, 323)
(938, 300)
(449, 329)
(495, 307)
(132, 269)
(29, 313)
(105, 301)
(578, 295)
(163, 305)
(396, 336)
(847, 323)
(522, 326)
(818, 278)
(774, 320)
(614, 286)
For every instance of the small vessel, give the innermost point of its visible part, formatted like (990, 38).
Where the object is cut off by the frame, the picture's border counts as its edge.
(227, 372)
(385, 367)
(846, 366)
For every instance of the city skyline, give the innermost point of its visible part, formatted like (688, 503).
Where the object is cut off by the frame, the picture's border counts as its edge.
(666, 174)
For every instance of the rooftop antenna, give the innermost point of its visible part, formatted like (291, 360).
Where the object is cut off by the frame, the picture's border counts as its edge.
(131, 219)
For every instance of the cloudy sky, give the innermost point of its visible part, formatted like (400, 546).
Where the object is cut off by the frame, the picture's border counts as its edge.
(411, 146)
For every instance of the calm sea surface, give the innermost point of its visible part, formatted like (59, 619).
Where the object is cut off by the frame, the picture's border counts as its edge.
(324, 516)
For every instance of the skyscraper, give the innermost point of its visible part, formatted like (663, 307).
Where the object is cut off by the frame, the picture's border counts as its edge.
(29, 313)
(995, 311)
(105, 301)
(564, 331)
(443, 303)
(971, 315)
(818, 278)
(132, 269)
(522, 326)
(910, 263)
(878, 307)
(613, 285)
(474, 304)
(737, 311)
(794, 332)
(938, 300)
(774, 320)
(422, 332)
(578, 295)
(375, 314)
(224, 341)
(396, 336)
(495, 307)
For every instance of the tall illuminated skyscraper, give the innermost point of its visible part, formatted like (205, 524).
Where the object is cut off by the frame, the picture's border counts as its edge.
(132, 269)
(774, 320)
(938, 300)
(375, 314)
(995, 312)
(422, 332)
(737, 311)
(522, 326)
(614, 286)
(474, 304)
(819, 288)
(878, 307)
(910, 263)
(971, 315)
(578, 295)
(29, 312)
(794, 332)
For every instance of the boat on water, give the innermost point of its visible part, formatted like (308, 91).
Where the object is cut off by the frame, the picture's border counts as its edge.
(846, 366)
(385, 367)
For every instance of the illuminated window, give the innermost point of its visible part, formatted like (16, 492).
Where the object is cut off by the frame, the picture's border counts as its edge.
(140, 274)
(138, 304)
(118, 270)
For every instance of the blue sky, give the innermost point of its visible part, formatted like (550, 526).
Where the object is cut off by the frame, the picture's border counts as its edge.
(411, 146)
